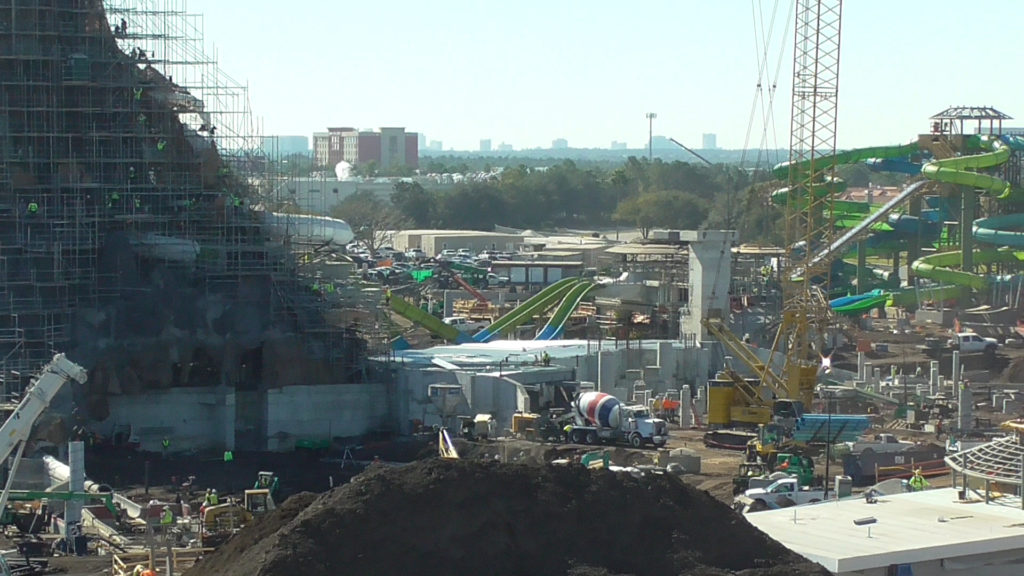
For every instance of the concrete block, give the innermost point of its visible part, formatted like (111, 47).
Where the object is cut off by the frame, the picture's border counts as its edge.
(688, 459)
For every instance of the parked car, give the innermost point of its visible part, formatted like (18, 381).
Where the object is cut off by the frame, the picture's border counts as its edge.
(415, 254)
(446, 254)
(495, 280)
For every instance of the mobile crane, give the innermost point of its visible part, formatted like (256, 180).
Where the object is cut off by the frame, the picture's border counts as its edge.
(15, 431)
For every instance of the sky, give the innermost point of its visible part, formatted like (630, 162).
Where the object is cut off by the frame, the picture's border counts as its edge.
(529, 71)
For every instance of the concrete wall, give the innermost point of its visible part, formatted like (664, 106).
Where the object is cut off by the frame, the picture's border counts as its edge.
(323, 412)
(663, 365)
(191, 418)
(710, 275)
(211, 418)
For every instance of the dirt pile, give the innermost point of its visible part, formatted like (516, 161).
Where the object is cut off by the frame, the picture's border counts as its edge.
(465, 517)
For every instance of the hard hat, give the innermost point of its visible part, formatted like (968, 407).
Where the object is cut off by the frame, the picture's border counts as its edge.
(214, 490)
(167, 507)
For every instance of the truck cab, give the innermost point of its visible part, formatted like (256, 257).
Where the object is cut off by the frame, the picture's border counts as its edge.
(971, 343)
(638, 425)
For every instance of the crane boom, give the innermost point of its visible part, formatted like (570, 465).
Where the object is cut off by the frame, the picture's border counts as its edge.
(16, 430)
(688, 149)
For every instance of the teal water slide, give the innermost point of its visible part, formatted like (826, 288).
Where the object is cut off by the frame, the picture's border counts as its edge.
(538, 304)
(556, 325)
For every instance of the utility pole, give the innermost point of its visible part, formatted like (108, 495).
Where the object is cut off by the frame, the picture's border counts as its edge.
(650, 135)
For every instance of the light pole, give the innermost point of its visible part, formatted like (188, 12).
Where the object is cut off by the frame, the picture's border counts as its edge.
(650, 135)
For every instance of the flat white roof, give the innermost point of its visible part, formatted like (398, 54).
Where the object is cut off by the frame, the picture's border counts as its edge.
(910, 528)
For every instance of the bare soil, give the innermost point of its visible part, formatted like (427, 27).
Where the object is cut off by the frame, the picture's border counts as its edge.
(486, 517)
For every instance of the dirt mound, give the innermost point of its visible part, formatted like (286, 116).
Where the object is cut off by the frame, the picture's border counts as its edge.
(228, 554)
(472, 517)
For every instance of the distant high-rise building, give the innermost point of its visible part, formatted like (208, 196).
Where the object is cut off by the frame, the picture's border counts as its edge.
(421, 141)
(485, 145)
(285, 145)
(661, 142)
(504, 147)
(435, 146)
(709, 142)
(616, 145)
(559, 144)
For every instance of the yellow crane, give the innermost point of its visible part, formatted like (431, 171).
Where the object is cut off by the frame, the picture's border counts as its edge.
(806, 315)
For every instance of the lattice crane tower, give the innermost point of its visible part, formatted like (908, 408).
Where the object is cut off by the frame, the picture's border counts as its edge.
(809, 221)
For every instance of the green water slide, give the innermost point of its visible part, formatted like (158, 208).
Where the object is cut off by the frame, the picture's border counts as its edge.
(782, 171)
(793, 171)
(427, 320)
(556, 325)
(539, 303)
(911, 296)
(998, 230)
(939, 266)
(960, 170)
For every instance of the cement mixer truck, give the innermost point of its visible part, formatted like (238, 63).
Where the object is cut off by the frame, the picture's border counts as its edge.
(600, 417)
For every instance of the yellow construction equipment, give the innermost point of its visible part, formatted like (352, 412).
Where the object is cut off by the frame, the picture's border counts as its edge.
(445, 447)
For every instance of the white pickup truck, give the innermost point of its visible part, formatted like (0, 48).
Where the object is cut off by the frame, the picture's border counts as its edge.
(782, 493)
(971, 343)
(465, 325)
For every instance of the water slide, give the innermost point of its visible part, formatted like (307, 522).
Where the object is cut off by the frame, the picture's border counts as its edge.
(540, 302)
(427, 320)
(997, 230)
(863, 305)
(791, 171)
(851, 235)
(556, 325)
(959, 170)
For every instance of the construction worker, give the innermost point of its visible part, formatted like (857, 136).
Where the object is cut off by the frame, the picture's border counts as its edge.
(214, 499)
(567, 432)
(161, 144)
(546, 358)
(228, 456)
(167, 517)
(165, 444)
(139, 569)
(917, 482)
(138, 93)
(33, 209)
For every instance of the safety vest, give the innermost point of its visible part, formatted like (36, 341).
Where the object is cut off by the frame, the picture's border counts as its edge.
(167, 517)
(33, 207)
(166, 443)
(138, 93)
(228, 456)
(161, 145)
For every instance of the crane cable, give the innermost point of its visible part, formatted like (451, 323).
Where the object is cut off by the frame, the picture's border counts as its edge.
(762, 41)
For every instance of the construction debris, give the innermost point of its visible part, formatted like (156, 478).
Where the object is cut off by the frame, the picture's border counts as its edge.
(483, 517)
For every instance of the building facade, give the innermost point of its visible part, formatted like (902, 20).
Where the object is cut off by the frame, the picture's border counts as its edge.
(389, 148)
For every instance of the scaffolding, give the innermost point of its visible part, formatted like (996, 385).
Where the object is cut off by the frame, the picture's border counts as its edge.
(119, 134)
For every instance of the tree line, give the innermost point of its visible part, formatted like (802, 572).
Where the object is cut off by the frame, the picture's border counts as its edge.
(641, 194)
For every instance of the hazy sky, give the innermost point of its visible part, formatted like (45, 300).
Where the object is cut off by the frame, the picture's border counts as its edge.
(526, 72)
